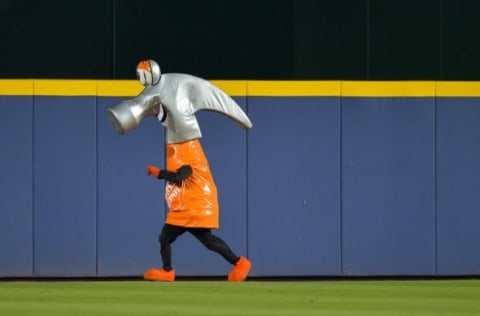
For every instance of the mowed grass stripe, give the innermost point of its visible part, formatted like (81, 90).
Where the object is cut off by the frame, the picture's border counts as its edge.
(436, 297)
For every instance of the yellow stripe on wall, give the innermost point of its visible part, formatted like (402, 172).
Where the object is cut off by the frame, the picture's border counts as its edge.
(65, 87)
(232, 87)
(293, 88)
(131, 88)
(16, 87)
(458, 89)
(388, 88)
(118, 88)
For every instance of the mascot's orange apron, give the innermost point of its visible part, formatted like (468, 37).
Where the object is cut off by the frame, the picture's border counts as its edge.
(193, 202)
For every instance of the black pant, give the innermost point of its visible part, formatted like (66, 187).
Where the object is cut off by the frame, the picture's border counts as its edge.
(170, 233)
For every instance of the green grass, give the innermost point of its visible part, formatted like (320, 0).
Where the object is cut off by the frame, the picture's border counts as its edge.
(435, 297)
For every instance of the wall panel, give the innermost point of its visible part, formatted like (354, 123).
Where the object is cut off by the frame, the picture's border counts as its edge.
(294, 186)
(16, 186)
(65, 185)
(458, 185)
(388, 189)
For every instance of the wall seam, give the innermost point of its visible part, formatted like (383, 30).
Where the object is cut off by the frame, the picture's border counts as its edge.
(247, 202)
(340, 204)
(435, 188)
(33, 179)
(96, 183)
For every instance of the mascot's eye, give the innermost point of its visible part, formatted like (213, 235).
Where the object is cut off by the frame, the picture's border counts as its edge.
(144, 76)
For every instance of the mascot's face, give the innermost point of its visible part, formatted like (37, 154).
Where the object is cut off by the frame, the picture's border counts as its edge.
(161, 114)
(148, 72)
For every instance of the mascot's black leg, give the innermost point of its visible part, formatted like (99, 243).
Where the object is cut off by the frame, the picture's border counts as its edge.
(167, 236)
(213, 243)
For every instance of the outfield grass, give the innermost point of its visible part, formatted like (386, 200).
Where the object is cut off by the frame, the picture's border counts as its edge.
(436, 297)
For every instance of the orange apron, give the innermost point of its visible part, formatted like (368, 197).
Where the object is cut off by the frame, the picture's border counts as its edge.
(193, 202)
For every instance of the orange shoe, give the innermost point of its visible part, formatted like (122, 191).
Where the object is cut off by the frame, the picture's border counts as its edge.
(159, 275)
(240, 270)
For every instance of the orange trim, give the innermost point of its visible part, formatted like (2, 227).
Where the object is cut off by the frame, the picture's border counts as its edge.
(145, 65)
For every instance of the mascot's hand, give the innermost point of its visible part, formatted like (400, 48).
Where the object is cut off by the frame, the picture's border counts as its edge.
(152, 170)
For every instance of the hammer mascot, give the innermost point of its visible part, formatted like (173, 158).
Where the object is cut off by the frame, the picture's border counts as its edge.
(190, 190)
